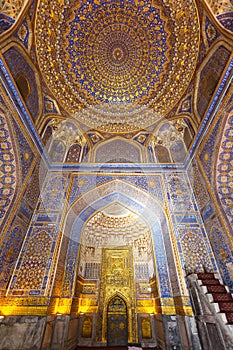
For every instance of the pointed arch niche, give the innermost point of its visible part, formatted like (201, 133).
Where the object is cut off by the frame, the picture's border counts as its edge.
(75, 279)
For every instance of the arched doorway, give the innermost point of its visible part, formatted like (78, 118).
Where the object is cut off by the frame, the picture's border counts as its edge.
(117, 324)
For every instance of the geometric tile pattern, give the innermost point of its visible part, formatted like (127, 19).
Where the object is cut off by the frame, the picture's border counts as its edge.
(198, 185)
(8, 172)
(12, 8)
(5, 22)
(31, 273)
(210, 76)
(19, 66)
(194, 248)
(122, 58)
(26, 153)
(30, 276)
(183, 207)
(224, 169)
(208, 153)
(223, 251)
(9, 252)
(37, 258)
(211, 32)
(118, 151)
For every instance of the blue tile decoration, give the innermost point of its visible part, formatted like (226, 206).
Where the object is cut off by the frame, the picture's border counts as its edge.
(221, 247)
(118, 150)
(126, 199)
(54, 193)
(50, 106)
(30, 276)
(199, 187)
(208, 153)
(211, 32)
(8, 159)
(23, 33)
(188, 226)
(5, 22)
(194, 248)
(186, 105)
(210, 76)
(26, 153)
(9, 251)
(224, 176)
(83, 183)
(226, 20)
(179, 193)
(18, 65)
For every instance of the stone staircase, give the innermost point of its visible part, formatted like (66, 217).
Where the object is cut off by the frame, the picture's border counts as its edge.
(213, 310)
(218, 294)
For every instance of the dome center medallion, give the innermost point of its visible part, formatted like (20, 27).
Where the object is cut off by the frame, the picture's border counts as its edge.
(118, 53)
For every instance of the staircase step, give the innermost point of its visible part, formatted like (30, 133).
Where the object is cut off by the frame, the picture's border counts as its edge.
(221, 297)
(216, 289)
(226, 306)
(205, 276)
(210, 282)
(229, 317)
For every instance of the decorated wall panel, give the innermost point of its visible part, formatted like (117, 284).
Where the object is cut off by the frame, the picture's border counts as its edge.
(215, 159)
(25, 78)
(222, 249)
(9, 251)
(111, 74)
(215, 230)
(118, 151)
(105, 190)
(37, 259)
(220, 6)
(226, 20)
(10, 11)
(224, 168)
(188, 225)
(185, 217)
(12, 8)
(9, 170)
(213, 191)
(146, 195)
(210, 32)
(31, 274)
(19, 219)
(19, 188)
(209, 77)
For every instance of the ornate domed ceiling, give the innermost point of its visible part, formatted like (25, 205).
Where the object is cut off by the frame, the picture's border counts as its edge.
(117, 65)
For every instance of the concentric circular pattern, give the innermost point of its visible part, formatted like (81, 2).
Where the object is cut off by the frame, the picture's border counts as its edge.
(117, 65)
(116, 61)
